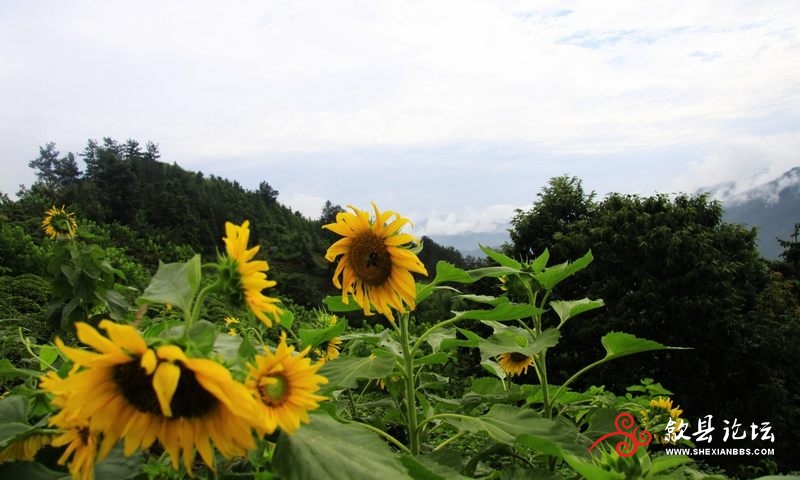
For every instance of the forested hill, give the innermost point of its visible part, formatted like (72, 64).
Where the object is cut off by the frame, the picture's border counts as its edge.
(156, 210)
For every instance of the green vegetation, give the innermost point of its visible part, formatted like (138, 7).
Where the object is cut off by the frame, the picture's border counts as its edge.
(666, 269)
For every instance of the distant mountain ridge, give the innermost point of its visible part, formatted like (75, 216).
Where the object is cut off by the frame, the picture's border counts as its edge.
(773, 207)
(468, 243)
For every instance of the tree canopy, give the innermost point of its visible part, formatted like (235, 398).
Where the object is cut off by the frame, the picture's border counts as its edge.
(670, 269)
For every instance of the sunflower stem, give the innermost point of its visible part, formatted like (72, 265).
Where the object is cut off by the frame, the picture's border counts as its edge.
(411, 398)
(380, 432)
(539, 361)
(194, 315)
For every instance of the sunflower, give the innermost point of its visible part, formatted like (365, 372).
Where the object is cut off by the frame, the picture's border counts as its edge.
(659, 412)
(286, 383)
(127, 391)
(515, 363)
(329, 350)
(376, 263)
(665, 404)
(81, 445)
(249, 275)
(25, 449)
(58, 223)
(230, 321)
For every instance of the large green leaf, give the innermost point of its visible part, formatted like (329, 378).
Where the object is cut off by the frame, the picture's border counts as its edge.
(334, 303)
(620, 344)
(617, 345)
(328, 450)
(517, 340)
(13, 408)
(8, 371)
(31, 471)
(423, 468)
(501, 259)
(344, 372)
(201, 337)
(566, 309)
(315, 336)
(175, 284)
(506, 423)
(13, 419)
(587, 469)
(552, 276)
(447, 272)
(501, 312)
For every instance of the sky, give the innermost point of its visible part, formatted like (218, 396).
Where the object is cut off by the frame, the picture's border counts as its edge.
(451, 112)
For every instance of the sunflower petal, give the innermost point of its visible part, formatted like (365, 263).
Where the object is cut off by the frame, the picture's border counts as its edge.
(165, 382)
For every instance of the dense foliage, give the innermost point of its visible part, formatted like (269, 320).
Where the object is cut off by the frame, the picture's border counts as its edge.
(670, 268)
(663, 268)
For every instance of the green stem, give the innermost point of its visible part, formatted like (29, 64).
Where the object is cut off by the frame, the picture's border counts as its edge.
(541, 369)
(380, 432)
(540, 361)
(429, 331)
(411, 398)
(194, 315)
(26, 341)
(449, 441)
(576, 375)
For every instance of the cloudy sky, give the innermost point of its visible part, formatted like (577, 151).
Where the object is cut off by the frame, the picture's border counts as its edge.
(452, 112)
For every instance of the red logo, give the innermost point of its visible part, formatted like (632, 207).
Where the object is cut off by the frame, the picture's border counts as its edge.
(633, 439)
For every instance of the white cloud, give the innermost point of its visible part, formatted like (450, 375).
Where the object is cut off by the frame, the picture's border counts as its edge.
(309, 205)
(745, 162)
(254, 79)
(490, 219)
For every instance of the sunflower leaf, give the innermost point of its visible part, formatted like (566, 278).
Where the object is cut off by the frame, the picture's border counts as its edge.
(568, 309)
(315, 336)
(500, 258)
(345, 372)
(316, 450)
(515, 341)
(552, 276)
(501, 312)
(202, 335)
(174, 283)
(335, 304)
(506, 423)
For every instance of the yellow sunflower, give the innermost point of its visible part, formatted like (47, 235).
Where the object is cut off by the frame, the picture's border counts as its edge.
(286, 384)
(375, 264)
(328, 350)
(25, 449)
(250, 274)
(230, 321)
(81, 445)
(58, 223)
(658, 413)
(127, 391)
(515, 363)
(665, 403)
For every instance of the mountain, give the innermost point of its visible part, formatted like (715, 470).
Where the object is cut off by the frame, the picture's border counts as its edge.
(467, 243)
(773, 207)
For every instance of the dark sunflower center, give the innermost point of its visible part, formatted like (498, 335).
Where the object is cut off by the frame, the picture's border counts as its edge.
(517, 357)
(190, 400)
(275, 392)
(370, 259)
